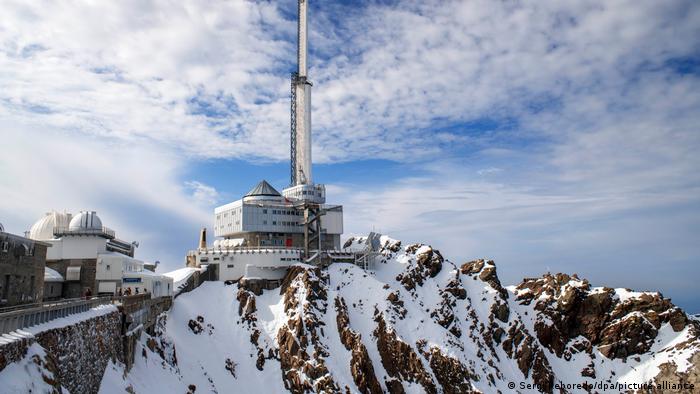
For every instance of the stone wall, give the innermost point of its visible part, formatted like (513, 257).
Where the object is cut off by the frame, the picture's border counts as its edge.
(88, 272)
(22, 263)
(80, 351)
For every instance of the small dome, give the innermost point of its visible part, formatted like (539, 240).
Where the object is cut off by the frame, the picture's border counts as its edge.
(85, 220)
(43, 229)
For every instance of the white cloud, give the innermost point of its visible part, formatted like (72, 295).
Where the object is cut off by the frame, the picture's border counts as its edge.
(134, 188)
(583, 108)
(204, 194)
(144, 71)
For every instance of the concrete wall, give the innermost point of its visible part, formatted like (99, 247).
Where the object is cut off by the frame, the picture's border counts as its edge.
(76, 247)
(22, 263)
(232, 263)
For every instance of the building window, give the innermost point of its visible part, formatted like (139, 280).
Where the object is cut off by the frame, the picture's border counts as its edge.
(107, 267)
(5, 246)
(264, 210)
(265, 222)
(229, 266)
(6, 287)
(274, 223)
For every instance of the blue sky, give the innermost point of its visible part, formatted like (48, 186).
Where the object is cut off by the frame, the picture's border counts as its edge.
(549, 136)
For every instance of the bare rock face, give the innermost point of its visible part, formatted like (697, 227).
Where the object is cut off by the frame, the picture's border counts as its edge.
(452, 375)
(670, 380)
(486, 270)
(399, 359)
(428, 263)
(304, 372)
(521, 346)
(360, 365)
(569, 308)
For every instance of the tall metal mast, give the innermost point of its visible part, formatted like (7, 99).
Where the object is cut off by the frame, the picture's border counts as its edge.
(301, 107)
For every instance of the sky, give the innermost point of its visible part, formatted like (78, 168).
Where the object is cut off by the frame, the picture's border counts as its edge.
(549, 136)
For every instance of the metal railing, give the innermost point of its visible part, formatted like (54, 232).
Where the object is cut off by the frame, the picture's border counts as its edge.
(102, 231)
(24, 316)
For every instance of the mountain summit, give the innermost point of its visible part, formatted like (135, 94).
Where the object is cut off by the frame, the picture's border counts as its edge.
(415, 323)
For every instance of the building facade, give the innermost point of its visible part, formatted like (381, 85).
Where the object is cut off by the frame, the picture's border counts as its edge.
(264, 217)
(90, 258)
(22, 263)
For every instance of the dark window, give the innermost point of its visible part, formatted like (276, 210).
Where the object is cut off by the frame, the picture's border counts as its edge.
(6, 287)
(230, 266)
(264, 210)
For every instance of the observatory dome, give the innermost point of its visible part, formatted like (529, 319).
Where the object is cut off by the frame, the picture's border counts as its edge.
(85, 220)
(43, 229)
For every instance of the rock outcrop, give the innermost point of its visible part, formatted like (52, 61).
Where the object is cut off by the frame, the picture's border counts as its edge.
(418, 323)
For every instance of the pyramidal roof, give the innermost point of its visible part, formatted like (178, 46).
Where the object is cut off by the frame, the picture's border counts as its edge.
(263, 189)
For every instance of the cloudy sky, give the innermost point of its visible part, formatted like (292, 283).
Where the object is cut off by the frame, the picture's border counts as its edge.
(547, 135)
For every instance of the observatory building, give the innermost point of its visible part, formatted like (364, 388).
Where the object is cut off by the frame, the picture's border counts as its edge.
(266, 231)
(84, 254)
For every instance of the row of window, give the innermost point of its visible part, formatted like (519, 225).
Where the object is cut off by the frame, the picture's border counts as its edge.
(309, 193)
(282, 223)
(283, 212)
(25, 250)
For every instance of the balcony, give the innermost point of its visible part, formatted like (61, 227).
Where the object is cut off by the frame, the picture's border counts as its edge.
(103, 232)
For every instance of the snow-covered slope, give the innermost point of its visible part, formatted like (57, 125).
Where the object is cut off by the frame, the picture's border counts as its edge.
(416, 323)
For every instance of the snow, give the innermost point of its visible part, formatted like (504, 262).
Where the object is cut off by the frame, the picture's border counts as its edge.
(52, 275)
(626, 294)
(202, 357)
(26, 376)
(180, 277)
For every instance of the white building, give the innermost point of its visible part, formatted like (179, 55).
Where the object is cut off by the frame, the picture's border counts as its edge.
(263, 217)
(80, 243)
(117, 272)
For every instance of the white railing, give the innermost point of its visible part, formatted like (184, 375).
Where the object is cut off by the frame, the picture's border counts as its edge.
(23, 316)
(105, 231)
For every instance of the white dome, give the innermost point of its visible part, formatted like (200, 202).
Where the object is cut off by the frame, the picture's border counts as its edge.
(85, 220)
(44, 227)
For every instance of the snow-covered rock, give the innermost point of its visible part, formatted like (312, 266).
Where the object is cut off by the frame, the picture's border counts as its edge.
(417, 323)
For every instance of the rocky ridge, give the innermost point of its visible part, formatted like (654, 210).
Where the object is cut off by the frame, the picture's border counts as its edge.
(416, 323)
